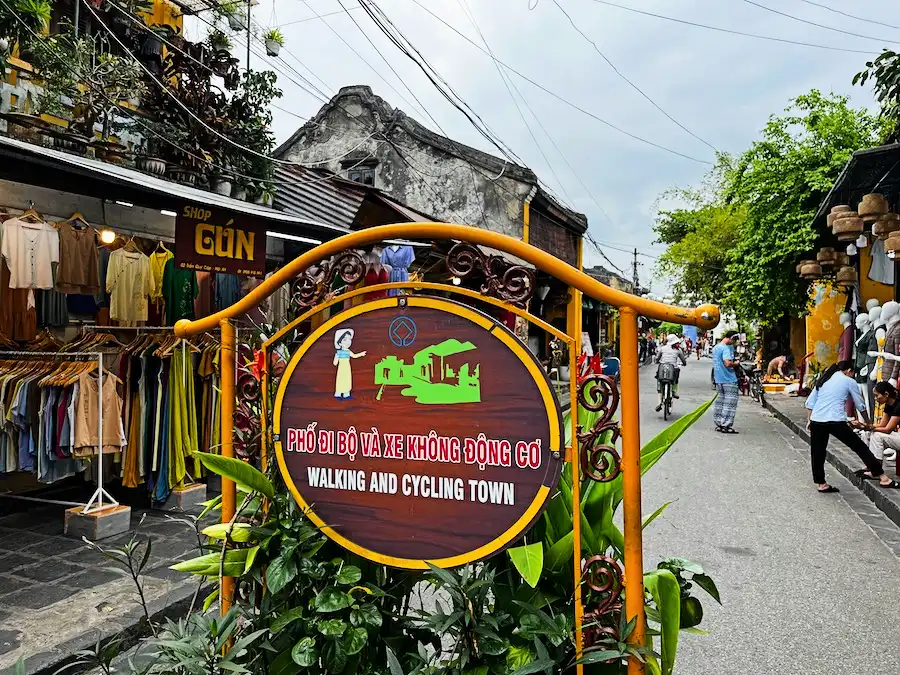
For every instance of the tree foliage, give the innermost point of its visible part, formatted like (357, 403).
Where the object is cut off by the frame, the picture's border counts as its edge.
(738, 239)
(884, 71)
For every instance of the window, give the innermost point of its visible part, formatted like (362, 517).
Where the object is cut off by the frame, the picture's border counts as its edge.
(362, 174)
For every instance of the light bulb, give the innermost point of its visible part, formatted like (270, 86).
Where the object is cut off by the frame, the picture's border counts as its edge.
(861, 241)
(456, 281)
(107, 236)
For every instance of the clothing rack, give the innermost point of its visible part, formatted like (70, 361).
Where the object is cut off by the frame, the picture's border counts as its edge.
(98, 356)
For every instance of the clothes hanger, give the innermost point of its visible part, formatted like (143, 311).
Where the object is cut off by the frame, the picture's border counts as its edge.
(161, 245)
(77, 219)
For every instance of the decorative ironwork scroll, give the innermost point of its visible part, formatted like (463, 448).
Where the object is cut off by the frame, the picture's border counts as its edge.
(512, 283)
(603, 576)
(600, 460)
(309, 289)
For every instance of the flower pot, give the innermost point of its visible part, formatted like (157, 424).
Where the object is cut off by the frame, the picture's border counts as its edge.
(70, 142)
(273, 47)
(236, 21)
(110, 151)
(265, 199)
(151, 165)
(221, 186)
(239, 192)
(564, 373)
(183, 176)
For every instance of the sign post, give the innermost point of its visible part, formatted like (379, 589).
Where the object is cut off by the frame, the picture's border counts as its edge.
(209, 240)
(415, 430)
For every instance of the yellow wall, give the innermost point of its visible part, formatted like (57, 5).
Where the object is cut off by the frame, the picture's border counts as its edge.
(823, 329)
(798, 339)
(872, 289)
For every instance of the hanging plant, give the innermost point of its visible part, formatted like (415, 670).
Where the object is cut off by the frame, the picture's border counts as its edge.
(274, 42)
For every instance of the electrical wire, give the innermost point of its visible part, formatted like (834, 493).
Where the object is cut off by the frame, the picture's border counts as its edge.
(818, 25)
(850, 16)
(388, 64)
(730, 31)
(630, 83)
(320, 16)
(559, 97)
(409, 50)
(468, 12)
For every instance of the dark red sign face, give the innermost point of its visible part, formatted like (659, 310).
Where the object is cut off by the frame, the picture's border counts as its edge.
(415, 429)
(212, 240)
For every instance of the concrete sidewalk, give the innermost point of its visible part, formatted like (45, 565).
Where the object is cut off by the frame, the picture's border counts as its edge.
(58, 596)
(791, 410)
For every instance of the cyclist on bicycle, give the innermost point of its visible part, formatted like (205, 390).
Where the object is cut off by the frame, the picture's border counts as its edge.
(669, 353)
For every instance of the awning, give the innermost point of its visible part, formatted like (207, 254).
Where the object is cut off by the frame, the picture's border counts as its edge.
(46, 167)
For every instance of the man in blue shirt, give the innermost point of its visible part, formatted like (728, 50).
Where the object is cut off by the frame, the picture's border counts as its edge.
(726, 382)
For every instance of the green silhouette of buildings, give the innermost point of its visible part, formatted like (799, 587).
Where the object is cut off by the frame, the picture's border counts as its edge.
(439, 374)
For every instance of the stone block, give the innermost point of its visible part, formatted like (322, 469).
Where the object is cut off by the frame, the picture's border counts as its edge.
(99, 524)
(186, 499)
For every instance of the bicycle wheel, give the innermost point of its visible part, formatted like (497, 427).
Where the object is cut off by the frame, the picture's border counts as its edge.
(667, 401)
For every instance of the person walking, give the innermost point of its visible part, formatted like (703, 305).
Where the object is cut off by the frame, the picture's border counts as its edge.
(669, 353)
(883, 440)
(726, 382)
(827, 416)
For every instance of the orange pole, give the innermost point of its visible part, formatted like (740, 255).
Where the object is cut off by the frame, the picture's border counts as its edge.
(264, 410)
(573, 321)
(226, 408)
(631, 481)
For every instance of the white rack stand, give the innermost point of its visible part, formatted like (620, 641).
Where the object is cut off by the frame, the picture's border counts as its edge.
(95, 503)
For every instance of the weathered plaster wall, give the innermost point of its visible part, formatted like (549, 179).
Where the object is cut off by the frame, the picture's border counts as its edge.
(426, 178)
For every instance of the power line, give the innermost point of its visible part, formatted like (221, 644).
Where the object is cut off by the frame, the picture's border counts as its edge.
(409, 50)
(470, 15)
(818, 25)
(558, 97)
(630, 83)
(730, 31)
(850, 16)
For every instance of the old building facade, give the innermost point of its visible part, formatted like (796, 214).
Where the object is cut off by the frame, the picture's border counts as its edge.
(361, 137)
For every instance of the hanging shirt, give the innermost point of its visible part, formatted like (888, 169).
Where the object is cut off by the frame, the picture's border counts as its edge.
(30, 249)
(78, 270)
(882, 268)
(398, 258)
(228, 290)
(129, 282)
(158, 260)
(179, 291)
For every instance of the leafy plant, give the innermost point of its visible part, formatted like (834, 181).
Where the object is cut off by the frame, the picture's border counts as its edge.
(218, 40)
(274, 35)
(23, 24)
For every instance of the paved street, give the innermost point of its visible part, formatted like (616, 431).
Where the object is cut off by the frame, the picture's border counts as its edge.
(808, 587)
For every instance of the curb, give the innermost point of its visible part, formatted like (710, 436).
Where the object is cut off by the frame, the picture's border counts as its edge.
(877, 496)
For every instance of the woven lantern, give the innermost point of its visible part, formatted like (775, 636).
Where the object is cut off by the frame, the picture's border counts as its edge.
(835, 212)
(872, 207)
(847, 226)
(847, 276)
(825, 256)
(811, 270)
(841, 260)
(892, 244)
(885, 225)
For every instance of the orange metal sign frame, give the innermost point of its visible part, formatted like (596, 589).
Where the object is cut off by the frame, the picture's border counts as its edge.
(630, 306)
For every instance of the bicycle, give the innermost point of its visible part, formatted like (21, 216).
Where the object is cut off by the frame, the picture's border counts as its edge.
(666, 375)
(757, 391)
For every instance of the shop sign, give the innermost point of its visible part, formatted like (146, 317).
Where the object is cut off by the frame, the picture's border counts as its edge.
(414, 429)
(213, 240)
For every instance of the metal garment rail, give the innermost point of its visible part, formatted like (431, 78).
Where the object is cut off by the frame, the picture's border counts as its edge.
(93, 356)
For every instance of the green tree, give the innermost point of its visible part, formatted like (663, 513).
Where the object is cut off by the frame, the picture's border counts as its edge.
(699, 233)
(739, 238)
(884, 71)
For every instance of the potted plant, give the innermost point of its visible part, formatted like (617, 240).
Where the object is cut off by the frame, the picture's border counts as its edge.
(266, 194)
(218, 41)
(234, 13)
(20, 22)
(274, 42)
(148, 157)
(220, 183)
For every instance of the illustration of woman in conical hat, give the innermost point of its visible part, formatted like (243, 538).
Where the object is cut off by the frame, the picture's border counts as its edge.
(343, 383)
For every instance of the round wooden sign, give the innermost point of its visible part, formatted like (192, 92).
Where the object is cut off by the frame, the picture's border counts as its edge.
(415, 429)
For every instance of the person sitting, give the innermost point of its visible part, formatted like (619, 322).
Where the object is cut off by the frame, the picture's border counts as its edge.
(669, 353)
(781, 366)
(884, 440)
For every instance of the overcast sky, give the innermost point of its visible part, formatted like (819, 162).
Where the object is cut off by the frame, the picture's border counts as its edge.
(722, 87)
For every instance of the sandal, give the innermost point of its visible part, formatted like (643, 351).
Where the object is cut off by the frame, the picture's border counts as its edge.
(831, 488)
(863, 473)
(729, 430)
(893, 485)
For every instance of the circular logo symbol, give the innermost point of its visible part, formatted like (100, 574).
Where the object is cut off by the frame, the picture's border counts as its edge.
(402, 331)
